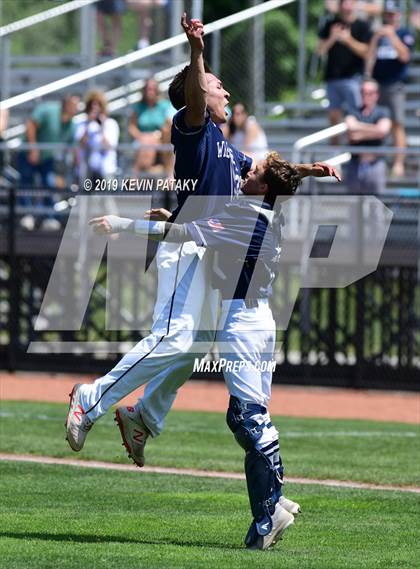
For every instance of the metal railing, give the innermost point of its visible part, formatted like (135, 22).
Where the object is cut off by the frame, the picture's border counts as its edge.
(117, 98)
(316, 137)
(43, 16)
(140, 54)
(87, 36)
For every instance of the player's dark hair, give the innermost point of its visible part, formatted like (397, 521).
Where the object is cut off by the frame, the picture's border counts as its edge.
(281, 177)
(176, 89)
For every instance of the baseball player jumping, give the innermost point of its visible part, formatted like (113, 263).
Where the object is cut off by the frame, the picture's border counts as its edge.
(247, 232)
(165, 358)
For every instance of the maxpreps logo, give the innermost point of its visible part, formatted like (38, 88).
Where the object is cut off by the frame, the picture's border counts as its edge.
(353, 252)
(219, 366)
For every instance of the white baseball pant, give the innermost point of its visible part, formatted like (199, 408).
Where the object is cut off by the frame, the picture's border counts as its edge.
(246, 340)
(185, 304)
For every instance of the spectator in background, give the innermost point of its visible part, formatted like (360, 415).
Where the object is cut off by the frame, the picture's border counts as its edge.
(415, 15)
(50, 122)
(344, 39)
(244, 132)
(368, 125)
(98, 138)
(369, 9)
(111, 9)
(143, 9)
(150, 123)
(389, 55)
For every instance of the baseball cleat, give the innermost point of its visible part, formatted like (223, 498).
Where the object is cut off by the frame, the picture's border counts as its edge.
(134, 433)
(77, 423)
(281, 519)
(289, 505)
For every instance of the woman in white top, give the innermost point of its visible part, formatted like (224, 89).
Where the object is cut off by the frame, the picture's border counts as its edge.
(244, 132)
(98, 137)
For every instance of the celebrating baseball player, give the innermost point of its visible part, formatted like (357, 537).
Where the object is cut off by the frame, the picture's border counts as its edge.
(245, 231)
(164, 359)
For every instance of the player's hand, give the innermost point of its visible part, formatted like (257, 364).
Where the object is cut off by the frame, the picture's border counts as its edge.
(158, 214)
(194, 31)
(109, 224)
(101, 225)
(323, 170)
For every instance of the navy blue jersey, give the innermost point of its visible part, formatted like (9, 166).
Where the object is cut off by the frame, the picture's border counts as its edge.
(388, 67)
(247, 241)
(204, 154)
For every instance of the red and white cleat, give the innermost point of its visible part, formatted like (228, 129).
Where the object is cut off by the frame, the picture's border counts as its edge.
(77, 423)
(134, 433)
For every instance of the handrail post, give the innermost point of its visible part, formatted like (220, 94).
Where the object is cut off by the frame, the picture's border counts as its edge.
(302, 50)
(315, 137)
(215, 52)
(87, 39)
(13, 281)
(5, 67)
(176, 13)
(258, 63)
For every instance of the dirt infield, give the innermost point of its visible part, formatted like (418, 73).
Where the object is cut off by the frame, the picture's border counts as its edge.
(194, 472)
(208, 396)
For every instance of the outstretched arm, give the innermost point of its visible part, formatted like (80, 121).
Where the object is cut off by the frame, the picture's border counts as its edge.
(156, 230)
(318, 170)
(196, 82)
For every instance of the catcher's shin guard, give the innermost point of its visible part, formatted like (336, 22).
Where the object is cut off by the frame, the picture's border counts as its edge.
(263, 475)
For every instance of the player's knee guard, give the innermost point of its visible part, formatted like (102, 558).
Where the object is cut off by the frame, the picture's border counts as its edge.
(262, 477)
(246, 430)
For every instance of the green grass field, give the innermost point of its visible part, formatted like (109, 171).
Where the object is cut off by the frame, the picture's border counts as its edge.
(57, 516)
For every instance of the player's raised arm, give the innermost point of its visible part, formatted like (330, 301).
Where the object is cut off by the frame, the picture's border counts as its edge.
(196, 82)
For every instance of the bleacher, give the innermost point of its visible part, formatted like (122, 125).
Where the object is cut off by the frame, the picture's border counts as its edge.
(284, 124)
(296, 119)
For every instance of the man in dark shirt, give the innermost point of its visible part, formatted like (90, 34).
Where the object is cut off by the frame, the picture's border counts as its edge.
(368, 125)
(389, 55)
(345, 40)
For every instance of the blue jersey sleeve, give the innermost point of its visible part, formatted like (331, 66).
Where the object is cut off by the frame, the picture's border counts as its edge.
(245, 163)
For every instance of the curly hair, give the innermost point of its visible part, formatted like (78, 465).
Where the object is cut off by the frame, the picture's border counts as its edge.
(96, 96)
(176, 89)
(281, 177)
